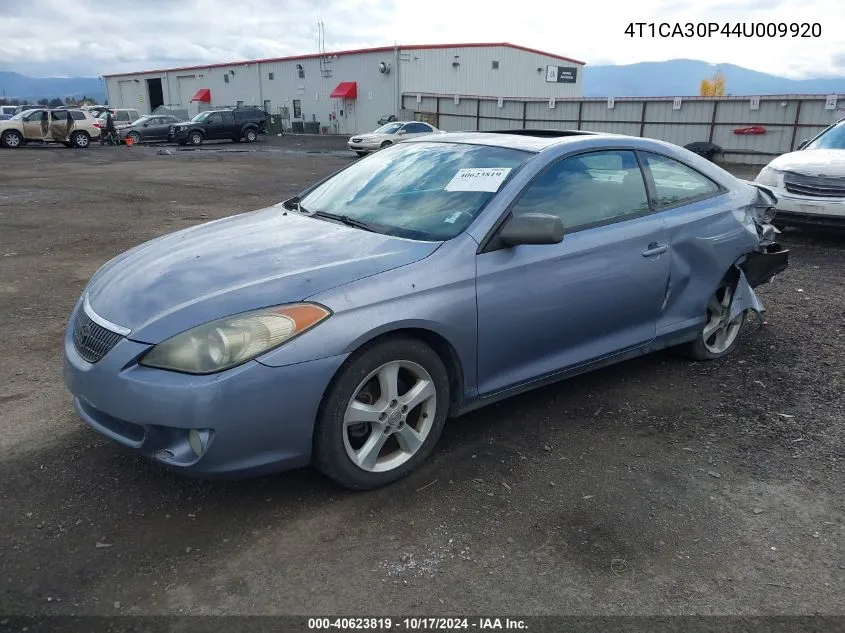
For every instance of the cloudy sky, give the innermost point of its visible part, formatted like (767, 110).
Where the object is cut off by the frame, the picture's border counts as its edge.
(87, 37)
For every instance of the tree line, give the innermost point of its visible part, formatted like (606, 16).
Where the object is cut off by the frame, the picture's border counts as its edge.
(55, 102)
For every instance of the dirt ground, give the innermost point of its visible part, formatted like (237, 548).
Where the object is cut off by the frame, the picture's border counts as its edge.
(658, 486)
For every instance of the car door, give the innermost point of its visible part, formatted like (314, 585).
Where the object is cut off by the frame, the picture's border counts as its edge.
(36, 125)
(156, 129)
(212, 125)
(545, 308)
(58, 125)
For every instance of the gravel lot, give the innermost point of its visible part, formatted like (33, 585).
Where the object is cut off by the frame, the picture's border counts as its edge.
(657, 486)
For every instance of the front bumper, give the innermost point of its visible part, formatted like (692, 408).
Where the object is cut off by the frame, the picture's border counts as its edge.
(363, 147)
(177, 135)
(255, 419)
(796, 210)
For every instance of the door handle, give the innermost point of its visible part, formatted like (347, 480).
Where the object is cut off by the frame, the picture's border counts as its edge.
(655, 249)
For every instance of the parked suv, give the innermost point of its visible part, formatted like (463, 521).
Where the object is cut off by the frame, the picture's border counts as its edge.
(231, 123)
(49, 126)
(123, 117)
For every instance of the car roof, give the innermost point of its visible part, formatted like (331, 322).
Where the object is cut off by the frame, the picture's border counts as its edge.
(526, 140)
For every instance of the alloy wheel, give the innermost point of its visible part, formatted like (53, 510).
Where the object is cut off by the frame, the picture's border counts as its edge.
(390, 416)
(721, 331)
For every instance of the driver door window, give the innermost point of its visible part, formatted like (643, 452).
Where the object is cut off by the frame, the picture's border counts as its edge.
(588, 190)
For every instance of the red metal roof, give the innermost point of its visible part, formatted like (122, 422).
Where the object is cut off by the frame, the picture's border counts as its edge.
(377, 49)
(203, 95)
(345, 90)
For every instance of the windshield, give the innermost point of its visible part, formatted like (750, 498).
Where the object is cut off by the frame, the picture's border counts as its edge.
(202, 116)
(427, 191)
(834, 138)
(390, 128)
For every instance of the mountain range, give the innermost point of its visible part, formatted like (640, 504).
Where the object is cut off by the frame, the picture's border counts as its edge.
(681, 78)
(673, 78)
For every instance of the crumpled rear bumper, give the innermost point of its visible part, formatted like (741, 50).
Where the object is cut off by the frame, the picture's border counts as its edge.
(762, 265)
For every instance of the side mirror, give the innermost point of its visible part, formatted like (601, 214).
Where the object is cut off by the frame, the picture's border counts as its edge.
(400, 132)
(532, 228)
(146, 124)
(803, 144)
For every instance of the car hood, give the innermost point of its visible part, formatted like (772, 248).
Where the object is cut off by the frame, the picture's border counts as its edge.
(245, 262)
(829, 162)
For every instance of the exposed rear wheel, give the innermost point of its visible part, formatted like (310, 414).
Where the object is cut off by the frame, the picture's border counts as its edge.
(80, 140)
(382, 415)
(720, 333)
(250, 136)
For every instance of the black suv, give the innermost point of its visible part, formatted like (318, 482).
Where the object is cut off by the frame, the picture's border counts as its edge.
(231, 123)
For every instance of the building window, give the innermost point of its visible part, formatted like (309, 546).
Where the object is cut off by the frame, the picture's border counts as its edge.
(225, 79)
(301, 71)
(495, 65)
(270, 76)
(297, 109)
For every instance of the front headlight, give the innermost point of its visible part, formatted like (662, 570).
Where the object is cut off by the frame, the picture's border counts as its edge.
(233, 340)
(769, 177)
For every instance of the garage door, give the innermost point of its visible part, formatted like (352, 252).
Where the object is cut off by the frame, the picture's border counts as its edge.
(187, 89)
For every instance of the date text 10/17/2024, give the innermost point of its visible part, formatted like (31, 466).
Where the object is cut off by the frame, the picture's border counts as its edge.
(728, 29)
(417, 624)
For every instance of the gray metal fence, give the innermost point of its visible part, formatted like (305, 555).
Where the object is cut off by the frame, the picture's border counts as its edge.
(783, 121)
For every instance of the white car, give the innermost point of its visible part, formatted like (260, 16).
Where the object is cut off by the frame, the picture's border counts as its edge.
(389, 134)
(123, 117)
(810, 183)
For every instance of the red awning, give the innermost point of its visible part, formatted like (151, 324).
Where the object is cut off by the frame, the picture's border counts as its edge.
(203, 94)
(345, 90)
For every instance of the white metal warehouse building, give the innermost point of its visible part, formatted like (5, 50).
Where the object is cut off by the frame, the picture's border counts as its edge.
(346, 92)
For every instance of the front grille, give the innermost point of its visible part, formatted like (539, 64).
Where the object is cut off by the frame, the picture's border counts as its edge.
(815, 186)
(91, 340)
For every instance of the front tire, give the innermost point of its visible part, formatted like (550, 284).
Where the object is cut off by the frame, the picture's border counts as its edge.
(11, 139)
(361, 154)
(720, 334)
(382, 414)
(195, 138)
(386, 144)
(134, 137)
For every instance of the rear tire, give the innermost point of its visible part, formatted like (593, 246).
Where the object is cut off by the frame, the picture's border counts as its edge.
(80, 140)
(250, 136)
(401, 424)
(720, 334)
(11, 139)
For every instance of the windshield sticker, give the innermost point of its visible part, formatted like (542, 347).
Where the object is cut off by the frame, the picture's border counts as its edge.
(478, 179)
(452, 218)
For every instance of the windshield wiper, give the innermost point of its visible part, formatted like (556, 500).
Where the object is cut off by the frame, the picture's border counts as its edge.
(293, 204)
(359, 224)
